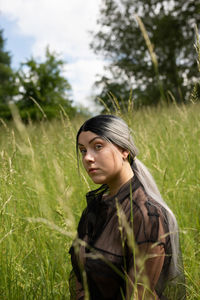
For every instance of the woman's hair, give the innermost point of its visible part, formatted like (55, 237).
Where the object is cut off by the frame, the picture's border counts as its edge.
(116, 131)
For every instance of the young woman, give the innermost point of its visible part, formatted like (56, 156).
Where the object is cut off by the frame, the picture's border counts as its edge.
(127, 245)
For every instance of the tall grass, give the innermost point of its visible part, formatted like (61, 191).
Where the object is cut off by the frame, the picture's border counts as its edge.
(42, 195)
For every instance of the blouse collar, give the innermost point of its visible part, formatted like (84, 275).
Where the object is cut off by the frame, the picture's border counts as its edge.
(130, 186)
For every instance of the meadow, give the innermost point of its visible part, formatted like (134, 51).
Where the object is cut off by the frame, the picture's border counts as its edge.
(42, 195)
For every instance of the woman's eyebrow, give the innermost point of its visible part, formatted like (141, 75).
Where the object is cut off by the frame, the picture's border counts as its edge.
(96, 137)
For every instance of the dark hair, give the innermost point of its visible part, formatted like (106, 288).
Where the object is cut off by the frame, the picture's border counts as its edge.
(112, 129)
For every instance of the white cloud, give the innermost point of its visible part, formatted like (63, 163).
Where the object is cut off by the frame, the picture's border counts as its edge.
(81, 75)
(64, 26)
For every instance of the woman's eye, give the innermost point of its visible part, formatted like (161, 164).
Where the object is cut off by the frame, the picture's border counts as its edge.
(83, 151)
(98, 146)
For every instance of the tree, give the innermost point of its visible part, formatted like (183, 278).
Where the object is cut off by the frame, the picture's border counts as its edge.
(195, 95)
(170, 27)
(7, 77)
(42, 84)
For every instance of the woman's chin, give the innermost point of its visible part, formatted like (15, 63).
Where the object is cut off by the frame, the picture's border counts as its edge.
(98, 180)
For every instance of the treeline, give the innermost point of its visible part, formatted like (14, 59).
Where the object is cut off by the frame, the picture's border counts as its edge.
(148, 45)
(149, 49)
(38, 89)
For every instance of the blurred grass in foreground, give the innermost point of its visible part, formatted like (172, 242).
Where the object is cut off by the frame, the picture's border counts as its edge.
(42, 195)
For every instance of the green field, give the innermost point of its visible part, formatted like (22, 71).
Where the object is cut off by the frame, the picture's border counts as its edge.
(42, 195)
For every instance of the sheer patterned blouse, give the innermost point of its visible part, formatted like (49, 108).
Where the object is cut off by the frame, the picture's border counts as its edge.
(110, 264)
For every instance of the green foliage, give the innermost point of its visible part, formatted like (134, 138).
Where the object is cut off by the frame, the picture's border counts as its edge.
(39, 89)
(7, 77)
(170, 28)
(42, 195)
(195, 95)
(41, 84)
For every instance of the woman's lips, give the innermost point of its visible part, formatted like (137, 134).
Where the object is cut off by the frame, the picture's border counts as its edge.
(92, 170)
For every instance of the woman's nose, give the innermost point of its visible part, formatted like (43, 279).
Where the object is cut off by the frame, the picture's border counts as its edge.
(89, 157)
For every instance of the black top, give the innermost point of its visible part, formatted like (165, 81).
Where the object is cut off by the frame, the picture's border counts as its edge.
(114, 235)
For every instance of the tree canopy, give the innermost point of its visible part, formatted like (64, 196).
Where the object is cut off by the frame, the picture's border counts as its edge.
(170, 28)
(37, 88)
(43, 83)
(7, 78)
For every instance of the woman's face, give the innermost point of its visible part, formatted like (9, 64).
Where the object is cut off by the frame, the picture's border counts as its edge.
(102, 160)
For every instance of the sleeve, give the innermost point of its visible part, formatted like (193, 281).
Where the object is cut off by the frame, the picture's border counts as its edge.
(146, 262)
(75, 287)
(142, 279)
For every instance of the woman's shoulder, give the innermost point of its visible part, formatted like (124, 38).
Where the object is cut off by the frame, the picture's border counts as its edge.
(146, 215)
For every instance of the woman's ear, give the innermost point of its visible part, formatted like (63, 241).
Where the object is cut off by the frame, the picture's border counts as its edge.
(125, 154)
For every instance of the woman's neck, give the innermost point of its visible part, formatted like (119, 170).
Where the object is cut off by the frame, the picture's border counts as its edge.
(124, 176)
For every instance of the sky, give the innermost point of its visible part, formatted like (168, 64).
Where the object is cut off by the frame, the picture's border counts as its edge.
(30, 26)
